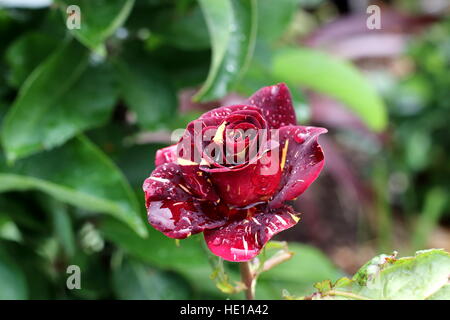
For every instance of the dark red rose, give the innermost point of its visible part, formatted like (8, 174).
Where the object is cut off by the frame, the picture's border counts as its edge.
(232, 171)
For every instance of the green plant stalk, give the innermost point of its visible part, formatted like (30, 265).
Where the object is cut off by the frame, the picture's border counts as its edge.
(435, 203)
(248, 278)
(384, 215)
(344, 294)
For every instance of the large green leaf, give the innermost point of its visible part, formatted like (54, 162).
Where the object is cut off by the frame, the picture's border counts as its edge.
(232, 28)
(156, 249)
(79, 174)
(58, 101)
(334, 77)
(424, 276)
(13, 284)
(147, 91)
(188, 258)
(26, 53)
(99, 20)
(185, 30)
(135, 281)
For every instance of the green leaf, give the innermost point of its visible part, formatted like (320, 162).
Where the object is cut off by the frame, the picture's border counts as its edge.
(147, 91)
(334, 77)
(135, 281)
(58, 101)
(435, 202)
(187, 258)
(186, 30)
(274, 18)
(99, 20)
(62, 224)
(26, 53)
(296, 275)
(424, 276)
(79, 174)
(442, 294)
(221, 277)
(18, 211)
(34, 268)
(95, 276)
(232, 28)
(155, 249)
(9, 229)
(13, 283)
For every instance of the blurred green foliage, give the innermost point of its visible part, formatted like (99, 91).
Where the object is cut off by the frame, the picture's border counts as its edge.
(419, 117)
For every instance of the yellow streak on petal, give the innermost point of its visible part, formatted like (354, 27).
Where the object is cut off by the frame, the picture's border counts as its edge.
(163, 180)
(204, 162)
(295, 218)
(284, 155)
(218, 137)
(184, 188)
(185, 162)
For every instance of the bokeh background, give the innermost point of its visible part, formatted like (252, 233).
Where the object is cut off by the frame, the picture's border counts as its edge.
(82, 113)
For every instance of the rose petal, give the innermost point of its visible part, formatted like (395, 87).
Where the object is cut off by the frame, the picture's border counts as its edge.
(166, 155)
(179, 220)
(302, 161)
(172, 207)
(221, 113)
(166, 183)
(242, 240)
(254, 183)
(276, 105)
(199, 183)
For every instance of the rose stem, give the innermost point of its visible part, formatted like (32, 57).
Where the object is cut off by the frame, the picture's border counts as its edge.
(247, 277)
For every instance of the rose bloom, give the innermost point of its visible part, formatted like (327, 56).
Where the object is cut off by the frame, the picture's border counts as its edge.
(231, 173)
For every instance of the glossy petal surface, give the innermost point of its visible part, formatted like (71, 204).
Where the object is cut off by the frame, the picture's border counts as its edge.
(172, 207)
(302, 163)
(199, 183)
(178, 219)
(166, 155)
(242, 239)
(275, 103)
(166, 183)
(255, 183)
(222, 112)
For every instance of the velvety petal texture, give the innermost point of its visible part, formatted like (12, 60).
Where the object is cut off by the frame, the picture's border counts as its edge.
(231, 173)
